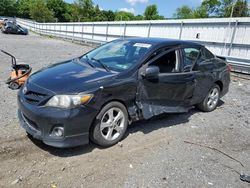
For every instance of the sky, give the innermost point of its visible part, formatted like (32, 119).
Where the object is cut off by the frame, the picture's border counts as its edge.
(165, 7)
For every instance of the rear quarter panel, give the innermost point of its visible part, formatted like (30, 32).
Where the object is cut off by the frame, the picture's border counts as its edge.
(222, 75)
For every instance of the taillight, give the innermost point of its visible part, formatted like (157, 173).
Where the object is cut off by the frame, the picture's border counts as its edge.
(229, 67)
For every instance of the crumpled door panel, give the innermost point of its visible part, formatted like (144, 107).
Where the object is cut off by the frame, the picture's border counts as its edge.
(150, 108)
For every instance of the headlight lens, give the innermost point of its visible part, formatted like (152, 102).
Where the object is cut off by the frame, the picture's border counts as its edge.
(69, 101)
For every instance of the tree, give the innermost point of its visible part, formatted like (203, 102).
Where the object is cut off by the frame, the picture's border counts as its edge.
(59, 9)
(40, 12)
(206, 9)
(124, 16)
(226, 8)
(68, 12)
(82, 10)
(139, 17)
(238, 8)
(87, 7)
(215, 8)
(75, 14)
(241, 9)
(184, 12)
(86, 10)
(211, 6)
(8, 8)
(108, 15)
(151, 13)
(23, 8)
(200, 12)
(97, 14)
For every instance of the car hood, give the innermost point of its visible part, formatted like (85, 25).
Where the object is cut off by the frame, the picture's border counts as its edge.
(70, 77)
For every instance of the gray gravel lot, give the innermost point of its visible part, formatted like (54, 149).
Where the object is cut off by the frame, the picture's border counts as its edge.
(153, 154)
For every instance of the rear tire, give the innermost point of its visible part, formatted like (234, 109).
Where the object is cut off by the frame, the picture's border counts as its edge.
(211, 100)
(110, 125)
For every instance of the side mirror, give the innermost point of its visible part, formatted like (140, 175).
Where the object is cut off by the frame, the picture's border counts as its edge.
(151, 72)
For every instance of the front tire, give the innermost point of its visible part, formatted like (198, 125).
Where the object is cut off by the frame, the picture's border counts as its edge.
(211, 100)
(110, 125)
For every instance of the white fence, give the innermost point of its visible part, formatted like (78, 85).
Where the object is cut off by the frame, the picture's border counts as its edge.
(228, 37)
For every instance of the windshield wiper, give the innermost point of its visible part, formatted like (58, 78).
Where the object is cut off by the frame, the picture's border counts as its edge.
(88, 61)
(102, 64)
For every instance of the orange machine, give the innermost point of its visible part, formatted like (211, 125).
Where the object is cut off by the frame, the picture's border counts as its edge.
(19, 73)
(2, 23)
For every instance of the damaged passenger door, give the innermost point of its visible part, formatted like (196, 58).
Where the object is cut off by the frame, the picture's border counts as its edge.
(164, 85)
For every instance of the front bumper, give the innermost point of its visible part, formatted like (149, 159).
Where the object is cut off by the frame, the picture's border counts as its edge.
(39, 122)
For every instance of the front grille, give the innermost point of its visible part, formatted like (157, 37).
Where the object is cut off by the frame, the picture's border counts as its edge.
(35, 94)
(35, 98)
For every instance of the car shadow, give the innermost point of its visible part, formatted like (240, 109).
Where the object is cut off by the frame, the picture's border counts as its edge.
(64, 152)
(161, 121)
(221, 103)
(144, 126)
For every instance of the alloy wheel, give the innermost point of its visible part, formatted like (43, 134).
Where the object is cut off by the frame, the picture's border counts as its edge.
(213, 98)
(112, 124)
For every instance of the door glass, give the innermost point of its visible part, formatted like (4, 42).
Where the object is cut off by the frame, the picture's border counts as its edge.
(167, 63)
(190, 57)
(205, 55)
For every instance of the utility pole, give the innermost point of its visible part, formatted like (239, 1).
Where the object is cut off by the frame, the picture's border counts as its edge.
(229, 24)
(232, 10)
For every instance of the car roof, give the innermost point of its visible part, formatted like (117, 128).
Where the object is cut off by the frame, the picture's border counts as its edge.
(163, 41)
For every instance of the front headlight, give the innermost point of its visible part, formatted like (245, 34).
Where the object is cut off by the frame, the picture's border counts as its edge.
(69, 101)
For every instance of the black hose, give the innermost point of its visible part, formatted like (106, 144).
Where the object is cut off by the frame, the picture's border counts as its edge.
(17, 78)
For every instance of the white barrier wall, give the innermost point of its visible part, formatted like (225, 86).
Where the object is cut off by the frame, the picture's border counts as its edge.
(229, 37)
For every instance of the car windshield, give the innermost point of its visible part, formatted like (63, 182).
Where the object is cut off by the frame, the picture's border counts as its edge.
(117, 55)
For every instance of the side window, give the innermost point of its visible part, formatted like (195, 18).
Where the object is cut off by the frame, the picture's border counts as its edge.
(190, 57)
(158, 52)
(168, 63)
(205, 55)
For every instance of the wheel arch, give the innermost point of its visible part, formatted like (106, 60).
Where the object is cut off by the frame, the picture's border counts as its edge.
(109, 101)
(220, 84)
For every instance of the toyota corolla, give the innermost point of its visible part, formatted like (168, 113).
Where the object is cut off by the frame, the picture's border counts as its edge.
(96, 96)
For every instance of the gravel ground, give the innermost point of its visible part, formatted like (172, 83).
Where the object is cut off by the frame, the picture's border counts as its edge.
(153, 154)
